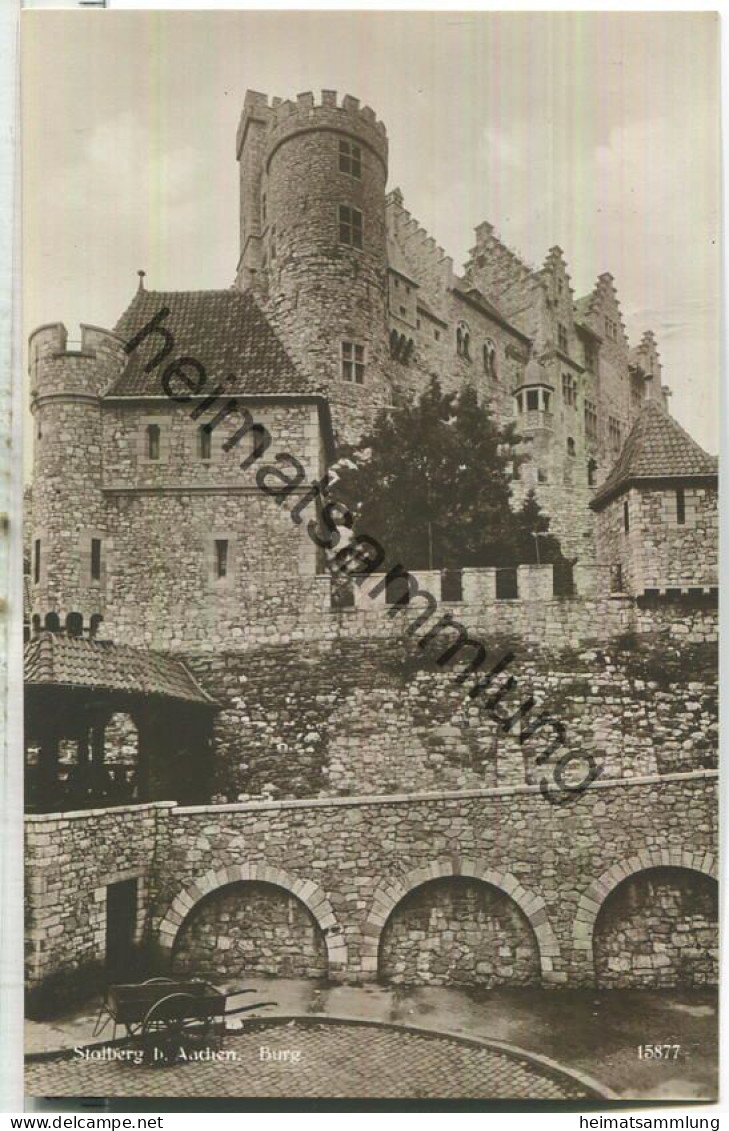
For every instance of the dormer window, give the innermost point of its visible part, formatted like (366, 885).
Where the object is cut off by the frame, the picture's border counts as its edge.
(350, 159)
(463, 340)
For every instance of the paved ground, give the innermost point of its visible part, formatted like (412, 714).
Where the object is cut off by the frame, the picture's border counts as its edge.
(338, 1060)
(593, 1032)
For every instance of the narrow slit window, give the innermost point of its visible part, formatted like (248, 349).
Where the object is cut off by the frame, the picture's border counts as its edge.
(206, 443)
(153, 441)
(36, 561)
(626, 517)
(221, 557)
(95, 559)
(680, 507)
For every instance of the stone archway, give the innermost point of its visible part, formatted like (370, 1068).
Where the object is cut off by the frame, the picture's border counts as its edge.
(306, 891)
(389, 895)
(592, 900)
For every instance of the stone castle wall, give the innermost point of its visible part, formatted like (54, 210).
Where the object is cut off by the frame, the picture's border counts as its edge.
(349, 717)
(657, 552)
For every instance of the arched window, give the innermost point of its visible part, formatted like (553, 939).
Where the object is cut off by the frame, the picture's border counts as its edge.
(53, 623)
(570, 446)
(463, 340)
(74, 624)
(94, 623)
(153, 441)
(489, 360)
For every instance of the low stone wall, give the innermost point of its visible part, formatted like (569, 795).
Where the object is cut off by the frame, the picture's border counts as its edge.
(358, 858)
(357, 878)
(70, 860)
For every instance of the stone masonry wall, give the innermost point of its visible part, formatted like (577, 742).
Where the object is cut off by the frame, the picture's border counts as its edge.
(659, 929)
(249, 929)
(352, 861)
(70, 859)
(459, 933)
(363, 856)
(354, 718)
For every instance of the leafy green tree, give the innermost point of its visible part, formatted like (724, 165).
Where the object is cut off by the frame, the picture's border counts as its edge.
(431, 483)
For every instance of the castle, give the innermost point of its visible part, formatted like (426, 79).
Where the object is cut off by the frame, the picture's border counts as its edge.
(163, 584)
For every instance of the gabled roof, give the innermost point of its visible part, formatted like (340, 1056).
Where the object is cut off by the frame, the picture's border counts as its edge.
(55, 659)
(478, 299)
(225, 331)
(657, 448)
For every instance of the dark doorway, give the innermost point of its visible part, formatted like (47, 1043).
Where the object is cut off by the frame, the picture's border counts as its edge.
(121, 922)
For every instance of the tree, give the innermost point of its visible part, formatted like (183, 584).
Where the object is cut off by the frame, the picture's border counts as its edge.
(431, 483)
(533, 542)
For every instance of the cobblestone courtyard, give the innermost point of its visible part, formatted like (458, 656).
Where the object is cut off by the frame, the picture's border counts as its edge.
(595, 1034)
(337, 1060)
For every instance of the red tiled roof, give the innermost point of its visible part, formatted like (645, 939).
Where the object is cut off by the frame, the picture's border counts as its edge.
(225, 331)
(657, 447)
(72, 661)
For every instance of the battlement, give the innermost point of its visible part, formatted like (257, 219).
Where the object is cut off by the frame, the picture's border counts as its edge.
(84, 364)
(433, 267)
(283, 117)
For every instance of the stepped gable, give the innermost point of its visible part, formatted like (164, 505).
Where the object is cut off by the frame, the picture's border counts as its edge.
(657, 448)
(72, 661)
(602, 298)
(226, 331)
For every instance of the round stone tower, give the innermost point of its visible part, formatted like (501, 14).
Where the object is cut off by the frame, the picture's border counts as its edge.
(69, 539)
(313, 242)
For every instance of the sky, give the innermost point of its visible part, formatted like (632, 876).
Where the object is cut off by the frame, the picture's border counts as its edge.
(595, 131)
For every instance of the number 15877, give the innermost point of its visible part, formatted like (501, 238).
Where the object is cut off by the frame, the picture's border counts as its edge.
(658, 1052)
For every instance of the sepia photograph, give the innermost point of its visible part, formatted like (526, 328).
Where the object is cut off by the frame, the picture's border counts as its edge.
(370, 419)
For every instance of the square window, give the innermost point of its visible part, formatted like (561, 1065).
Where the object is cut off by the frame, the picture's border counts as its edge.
(532, 400)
